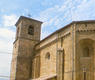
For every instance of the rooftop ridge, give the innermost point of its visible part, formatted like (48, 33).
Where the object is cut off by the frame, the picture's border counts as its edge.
(84, 21)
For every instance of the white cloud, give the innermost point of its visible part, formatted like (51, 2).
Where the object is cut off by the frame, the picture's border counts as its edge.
(5, 63)
(7, 36)
(9, 20)
(48, 13)
(71, 10)
(85, 10)
(6, 40)
(45, 34)
(6, 33)
(55, 16)
(6, 46)
(56, 13)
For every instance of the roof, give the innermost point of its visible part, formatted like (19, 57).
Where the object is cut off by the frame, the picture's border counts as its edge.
(73, 22)
(23, 17)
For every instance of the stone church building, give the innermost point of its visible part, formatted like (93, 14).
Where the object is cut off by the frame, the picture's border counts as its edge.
(66, 54)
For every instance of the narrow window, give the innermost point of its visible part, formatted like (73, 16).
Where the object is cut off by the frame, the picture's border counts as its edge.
(31, 30)
(47, 56)
(61, 41)
(86, 52)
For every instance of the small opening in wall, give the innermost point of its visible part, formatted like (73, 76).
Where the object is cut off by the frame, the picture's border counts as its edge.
(86, 52)
(47, 55)
(31, 30)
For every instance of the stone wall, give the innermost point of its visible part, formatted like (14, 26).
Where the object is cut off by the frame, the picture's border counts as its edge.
(85, 33)
(31, 60)
(70, 40)
(14, 61)
(49, 66)
(48, 63)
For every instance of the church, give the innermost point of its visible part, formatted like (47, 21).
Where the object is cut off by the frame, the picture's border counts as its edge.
(66, 54)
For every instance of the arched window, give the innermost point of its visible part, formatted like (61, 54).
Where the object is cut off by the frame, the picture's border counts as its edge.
(31, 30)
(86, 52)
(47, 56)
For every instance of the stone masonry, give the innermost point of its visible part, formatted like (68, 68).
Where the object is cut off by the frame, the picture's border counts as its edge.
(66, 54)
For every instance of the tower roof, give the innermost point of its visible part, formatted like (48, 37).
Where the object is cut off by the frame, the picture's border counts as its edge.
(23, 17)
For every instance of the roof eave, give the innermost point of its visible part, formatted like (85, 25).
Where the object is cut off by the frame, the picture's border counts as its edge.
(23, 17)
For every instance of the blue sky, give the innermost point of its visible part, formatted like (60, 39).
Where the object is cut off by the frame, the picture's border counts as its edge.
(54, 13)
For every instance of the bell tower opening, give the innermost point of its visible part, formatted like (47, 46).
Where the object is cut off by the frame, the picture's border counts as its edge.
(31, 30)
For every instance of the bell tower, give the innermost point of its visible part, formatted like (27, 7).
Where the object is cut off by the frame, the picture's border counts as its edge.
(27, 35)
